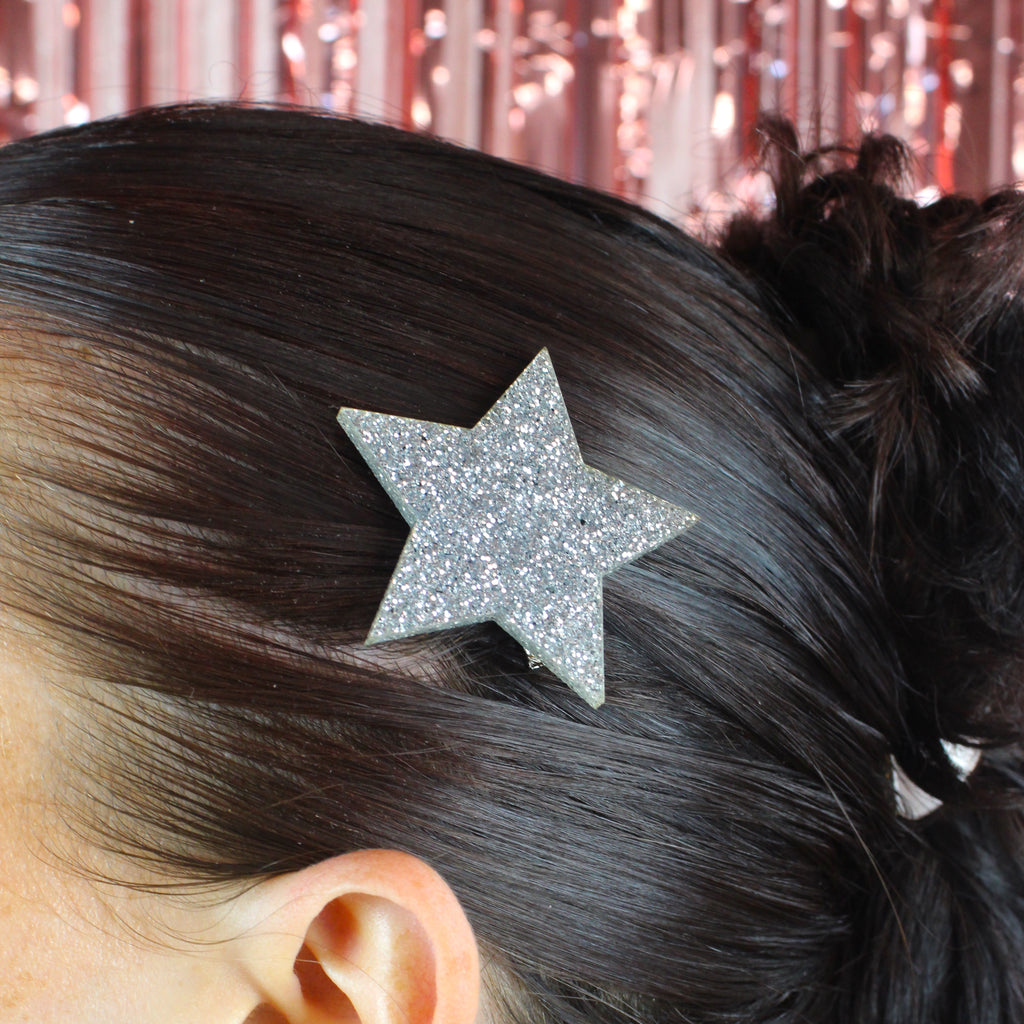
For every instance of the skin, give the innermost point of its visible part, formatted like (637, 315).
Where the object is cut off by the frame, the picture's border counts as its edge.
(367, 937)
(370, 937)
(73, 949)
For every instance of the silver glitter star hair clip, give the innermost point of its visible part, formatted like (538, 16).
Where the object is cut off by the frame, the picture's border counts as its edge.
(509, 525)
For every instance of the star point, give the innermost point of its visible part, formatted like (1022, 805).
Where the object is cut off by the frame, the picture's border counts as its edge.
(508, 524)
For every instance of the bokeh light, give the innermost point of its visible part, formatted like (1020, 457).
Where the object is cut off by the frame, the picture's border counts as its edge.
(653, 99)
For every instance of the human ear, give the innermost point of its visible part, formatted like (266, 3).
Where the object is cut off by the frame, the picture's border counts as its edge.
(372, 937)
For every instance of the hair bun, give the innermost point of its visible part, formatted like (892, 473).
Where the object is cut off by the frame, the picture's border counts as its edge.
(913, 315)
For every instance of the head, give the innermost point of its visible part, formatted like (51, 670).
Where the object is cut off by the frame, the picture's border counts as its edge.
(240, 806)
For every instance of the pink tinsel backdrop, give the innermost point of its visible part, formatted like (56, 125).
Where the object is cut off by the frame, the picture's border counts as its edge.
(652, 99)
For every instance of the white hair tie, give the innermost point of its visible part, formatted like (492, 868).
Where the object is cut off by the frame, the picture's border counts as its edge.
(911, 800)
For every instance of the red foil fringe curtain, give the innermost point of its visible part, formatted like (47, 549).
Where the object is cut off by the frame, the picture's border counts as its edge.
(652, 99)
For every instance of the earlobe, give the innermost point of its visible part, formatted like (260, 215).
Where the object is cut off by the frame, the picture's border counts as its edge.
(372, 937)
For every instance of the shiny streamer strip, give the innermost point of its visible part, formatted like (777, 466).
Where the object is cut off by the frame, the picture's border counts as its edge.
(651, 99)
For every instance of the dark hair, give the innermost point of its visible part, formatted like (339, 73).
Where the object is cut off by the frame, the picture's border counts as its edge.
(190, 294)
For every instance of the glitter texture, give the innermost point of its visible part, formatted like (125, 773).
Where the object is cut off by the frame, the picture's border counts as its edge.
(509, 525)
